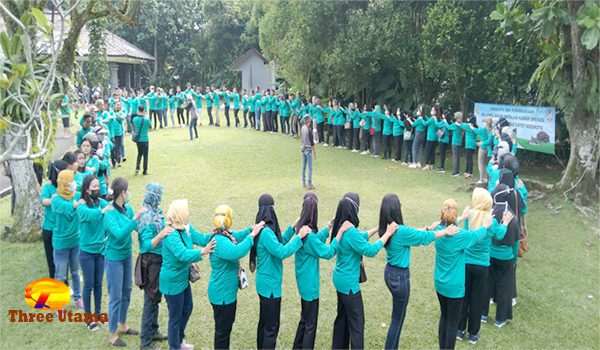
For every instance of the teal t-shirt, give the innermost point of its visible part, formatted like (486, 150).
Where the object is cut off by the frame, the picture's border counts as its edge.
(142, 125)
(47, 191)
(118, 227)
(65, 234)
(398, 246)
(92, 236)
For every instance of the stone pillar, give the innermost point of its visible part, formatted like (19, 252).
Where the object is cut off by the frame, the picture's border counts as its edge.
(114, 76)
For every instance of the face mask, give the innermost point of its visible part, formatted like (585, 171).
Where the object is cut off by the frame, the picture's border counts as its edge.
(95, 194)
(73, 187)
(433, 113)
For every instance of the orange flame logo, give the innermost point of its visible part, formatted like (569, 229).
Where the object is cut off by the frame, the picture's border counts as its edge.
(47, 294)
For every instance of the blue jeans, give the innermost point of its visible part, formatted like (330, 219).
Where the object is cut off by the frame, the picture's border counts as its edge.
(180, 309)
(257, 118)
(64, 260)
(307, 163)
(118, 278)
(398, 282)
(92, 266)
(417, 146)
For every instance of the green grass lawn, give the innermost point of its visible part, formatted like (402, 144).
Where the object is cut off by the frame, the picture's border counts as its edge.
(558, 279)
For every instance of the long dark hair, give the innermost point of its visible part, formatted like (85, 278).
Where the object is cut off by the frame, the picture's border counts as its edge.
(310, 213)
(390, 211)
(347, 210)
(119, 185)
(85, 186)
(266, 213)
(56, 167)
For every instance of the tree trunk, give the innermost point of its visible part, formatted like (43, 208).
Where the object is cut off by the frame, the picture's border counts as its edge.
(155, 72)
(580, 179)
(66, 60)
(27, 216)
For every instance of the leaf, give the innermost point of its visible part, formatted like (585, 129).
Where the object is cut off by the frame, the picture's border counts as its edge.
(590, 38)
(41, 19)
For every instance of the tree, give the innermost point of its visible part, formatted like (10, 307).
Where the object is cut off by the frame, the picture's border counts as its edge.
(568, 76)
(98, 72)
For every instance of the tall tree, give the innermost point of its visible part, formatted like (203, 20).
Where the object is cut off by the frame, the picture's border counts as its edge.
(568, 76)
(98, 73)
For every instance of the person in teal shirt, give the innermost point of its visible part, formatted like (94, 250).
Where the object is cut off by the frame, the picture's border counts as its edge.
(443, 140)
(216, 102)
(296, 116)
(226, 274)
(388, 122)
(174, 278)
(307, 269)
(449, 273)
(257, 108)
(65, 233)
(470, 143)
(284, 113)
(348, 272)
(365, 123)
(266, 257)
(484, 141)
(162, 104)
(119, 222)
(397, 135)
(477, 262)
(227, 96)
(245, 107)
(115, 126)
(457, 137)
(431, 139)
(47, 191)
(151, 232)
(235, 99)
(152, 98)
(419, 126)
(141, 126)
(316, 113)
(91, 244)
(172, 107)
(82, 169)
(397, 274)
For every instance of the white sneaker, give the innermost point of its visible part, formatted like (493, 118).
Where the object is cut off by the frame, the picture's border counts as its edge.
(514, 301)
(325, 145)
(412, 166)
(186, 346)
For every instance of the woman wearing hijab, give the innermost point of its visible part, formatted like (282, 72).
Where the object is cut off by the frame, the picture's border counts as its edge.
(348, 328)
(503, 252)
(65, 234)
(477, 260)
(397, 274)
(449, 274)
(178, 255)
(308, 270)
(225, 271)
(46, 193)
(266, 256)
(150, 226)
(91, 244)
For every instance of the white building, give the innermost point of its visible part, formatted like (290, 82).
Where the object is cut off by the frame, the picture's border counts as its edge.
(256, 70)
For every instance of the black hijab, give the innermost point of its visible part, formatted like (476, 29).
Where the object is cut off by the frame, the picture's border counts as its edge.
(310, 213)
(507, 178)
(347, 210)
(390, 211)
(266, 213)
(504, 200)
(510, 162)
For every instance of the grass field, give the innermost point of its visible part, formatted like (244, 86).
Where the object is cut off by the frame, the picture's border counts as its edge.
(559, 279)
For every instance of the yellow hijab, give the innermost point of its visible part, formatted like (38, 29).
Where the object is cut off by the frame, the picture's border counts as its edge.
(65, 184)
(178, 214)
(480, 213)
(223, 218)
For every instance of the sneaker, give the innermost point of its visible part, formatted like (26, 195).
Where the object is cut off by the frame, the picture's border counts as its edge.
(404, 163)
(441, 171)
(473, 338)
(93, 327)
(514, 301)
(363, 153)
(394, 161)
(137, 172)
(186, 346)
(500, 324)
(325, 145)
(484, 319)
(412, 166)
(158, 336)
(460, 335)
(456, 175)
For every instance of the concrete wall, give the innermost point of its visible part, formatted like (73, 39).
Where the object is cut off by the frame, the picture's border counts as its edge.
(256, 73)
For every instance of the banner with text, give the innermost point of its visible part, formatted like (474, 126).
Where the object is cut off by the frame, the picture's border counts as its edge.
(534, 126)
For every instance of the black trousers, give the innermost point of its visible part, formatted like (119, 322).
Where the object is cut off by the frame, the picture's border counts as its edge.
(187, 116)
(180, 118)
(245, 114)
(142, 151)
(476, 296)
(235, 115)
(227, 115)
(398, 141)
(355, 138)
(329, 134)
(252, 117)
(449, 315)
(307, 327)
(443, 150)
(408, 154)
(156, 119)
(430, 152)
(469, 156)
(349, 324)
(47, 237)
(321, 132)
(266, 116)
(224, 317)
(268, 323)
(501, 276)
(274, 121)
(365, 143)
(115, 153)
(210, 117)
(285, 125)
(387, 146)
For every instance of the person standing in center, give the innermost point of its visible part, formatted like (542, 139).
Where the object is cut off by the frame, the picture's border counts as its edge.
(308, 150)
(141, 125)
(266, 258)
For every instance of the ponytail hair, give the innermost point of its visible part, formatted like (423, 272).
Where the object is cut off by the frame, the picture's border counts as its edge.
(223, 218)
(449, 212)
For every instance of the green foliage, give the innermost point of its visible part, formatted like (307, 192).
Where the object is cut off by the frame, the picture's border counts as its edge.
(97, 65)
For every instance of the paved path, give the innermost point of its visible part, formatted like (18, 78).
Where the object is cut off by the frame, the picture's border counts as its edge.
(62, 145)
